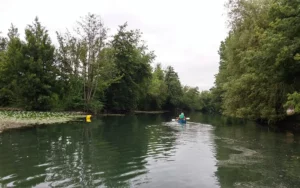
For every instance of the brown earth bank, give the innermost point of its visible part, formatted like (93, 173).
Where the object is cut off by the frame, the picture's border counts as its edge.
(5, 125)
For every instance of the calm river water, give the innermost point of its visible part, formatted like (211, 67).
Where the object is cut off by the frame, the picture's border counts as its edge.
(150, 151)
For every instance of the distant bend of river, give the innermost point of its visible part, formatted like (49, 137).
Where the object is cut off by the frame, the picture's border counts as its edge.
(150, 151)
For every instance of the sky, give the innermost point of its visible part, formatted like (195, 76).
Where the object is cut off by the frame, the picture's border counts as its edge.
(183, 34)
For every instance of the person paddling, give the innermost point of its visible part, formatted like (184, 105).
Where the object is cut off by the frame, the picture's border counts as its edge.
(181, 116)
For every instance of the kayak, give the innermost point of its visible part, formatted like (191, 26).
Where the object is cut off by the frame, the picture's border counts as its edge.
(181, 121)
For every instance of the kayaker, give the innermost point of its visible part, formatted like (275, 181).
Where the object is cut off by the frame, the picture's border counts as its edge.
(181, 116)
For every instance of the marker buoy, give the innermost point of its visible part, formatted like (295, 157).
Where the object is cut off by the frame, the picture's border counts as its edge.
(88, 118)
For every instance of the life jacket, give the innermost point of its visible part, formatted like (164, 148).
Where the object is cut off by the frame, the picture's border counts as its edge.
(181, 116)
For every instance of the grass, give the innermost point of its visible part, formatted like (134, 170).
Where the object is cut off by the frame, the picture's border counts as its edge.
(18, 119)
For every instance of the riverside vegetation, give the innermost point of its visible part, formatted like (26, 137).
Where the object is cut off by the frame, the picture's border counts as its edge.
(87, 71)
(16, 119)
(259, 71)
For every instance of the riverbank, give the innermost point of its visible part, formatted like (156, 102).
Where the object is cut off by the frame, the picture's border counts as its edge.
(133, 112)
(12, 118)
(150, 112)
(290, 123)
(20, 119)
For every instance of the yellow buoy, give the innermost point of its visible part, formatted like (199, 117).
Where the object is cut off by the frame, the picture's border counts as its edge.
(88, 118)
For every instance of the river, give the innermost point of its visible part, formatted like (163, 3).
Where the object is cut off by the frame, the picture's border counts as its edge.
(150, 151)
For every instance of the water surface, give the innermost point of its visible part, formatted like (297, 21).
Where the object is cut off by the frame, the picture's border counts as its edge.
(150, 151)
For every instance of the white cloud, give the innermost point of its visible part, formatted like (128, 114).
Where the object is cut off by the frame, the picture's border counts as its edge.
(184, 34)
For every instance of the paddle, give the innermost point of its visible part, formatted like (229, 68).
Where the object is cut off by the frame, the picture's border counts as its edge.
(185, 118)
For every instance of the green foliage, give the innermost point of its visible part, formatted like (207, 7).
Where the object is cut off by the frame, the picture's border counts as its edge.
(191, 98)
(37, 84)
(174, 89)
(4, 92)
(89, 72)
(157, 91)
(259, 60)
(133, 63)
(87, 65)
(10, 58)
(293, 101)
(259, 71)
(28, 71)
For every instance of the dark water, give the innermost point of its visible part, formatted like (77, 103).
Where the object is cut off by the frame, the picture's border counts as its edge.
(150, 151)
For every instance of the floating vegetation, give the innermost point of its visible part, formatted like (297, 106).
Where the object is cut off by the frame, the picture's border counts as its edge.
(17, 119)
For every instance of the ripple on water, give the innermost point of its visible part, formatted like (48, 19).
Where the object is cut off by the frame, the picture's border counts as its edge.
(26, 181)
(43, 165)
(259, 184)
(111, 156)
(11, 176)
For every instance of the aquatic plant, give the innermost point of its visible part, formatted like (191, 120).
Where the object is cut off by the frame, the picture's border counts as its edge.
(15, 119)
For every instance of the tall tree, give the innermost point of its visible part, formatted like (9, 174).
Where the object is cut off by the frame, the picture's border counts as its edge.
(86, 71)
(86, 62)
(157, 94)
(69, 64)
(190, 98)
(11, 59)
(3, 43)
(93, 35)
(38, 72)
(174, 89)
(259, 65)
(133, 62)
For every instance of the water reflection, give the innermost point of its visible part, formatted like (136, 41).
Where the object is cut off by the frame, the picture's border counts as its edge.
(150, 151)
(109, 152)
(253, 156)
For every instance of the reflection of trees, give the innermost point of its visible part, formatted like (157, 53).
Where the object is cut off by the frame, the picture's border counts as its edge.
(135, 140)
(215, 119)
(254, 156)
(109, 152)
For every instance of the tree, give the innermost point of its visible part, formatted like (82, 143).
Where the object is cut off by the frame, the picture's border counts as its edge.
(133, 62)
(174, 90)
(11, 59)
(157, 89)
(87, 71)
(3, 43)
(259, 66)
(68, 62)
(93, 35)
(190, 98)
(86, 63)
(28, 72)
(38, 73)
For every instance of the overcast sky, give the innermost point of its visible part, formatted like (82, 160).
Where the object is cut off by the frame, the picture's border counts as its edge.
(184, 34)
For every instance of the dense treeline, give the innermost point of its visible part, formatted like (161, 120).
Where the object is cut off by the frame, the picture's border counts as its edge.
(88, 70)
(259, 72)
